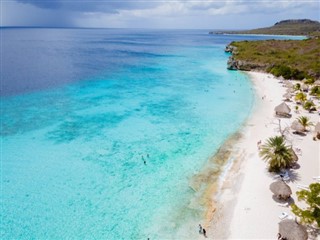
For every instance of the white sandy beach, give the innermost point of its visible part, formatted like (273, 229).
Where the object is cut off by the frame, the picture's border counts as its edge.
(246, 209)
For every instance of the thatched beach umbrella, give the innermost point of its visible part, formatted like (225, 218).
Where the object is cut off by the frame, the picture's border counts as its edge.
(281, 189)
(317, 128)
(282, 109)
(291, 230)
(317, 131)
(294, 155)
(288, 84)
(287, 96)
(305, 87)
(297, 126)
(290, 90)
(317, 83)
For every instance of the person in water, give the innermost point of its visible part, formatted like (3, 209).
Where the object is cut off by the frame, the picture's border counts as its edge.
(204, 232)
(144, 161)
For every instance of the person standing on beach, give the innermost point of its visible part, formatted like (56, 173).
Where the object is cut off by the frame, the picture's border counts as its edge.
(204, 232)
(200, 228)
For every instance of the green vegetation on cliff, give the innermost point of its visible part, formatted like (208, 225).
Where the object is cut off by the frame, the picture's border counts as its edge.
(292, 59)
(304, 27)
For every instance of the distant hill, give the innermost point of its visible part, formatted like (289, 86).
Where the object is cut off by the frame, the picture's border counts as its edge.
(304, 27)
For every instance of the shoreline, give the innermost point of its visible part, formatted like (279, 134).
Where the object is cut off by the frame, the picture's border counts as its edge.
(244, 202)
(264, 35)
(226, 196)
(209, 183)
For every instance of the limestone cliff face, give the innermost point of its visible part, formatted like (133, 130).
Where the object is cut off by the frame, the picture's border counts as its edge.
(234, 64)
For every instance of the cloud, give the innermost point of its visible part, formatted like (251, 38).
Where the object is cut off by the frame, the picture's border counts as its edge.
(155, 13)
(105, 6)
(43, 3)
(19, 14)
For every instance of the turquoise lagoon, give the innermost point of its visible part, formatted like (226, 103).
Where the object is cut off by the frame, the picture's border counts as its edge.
(82, 108)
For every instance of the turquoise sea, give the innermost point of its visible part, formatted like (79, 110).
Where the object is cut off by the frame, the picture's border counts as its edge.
(82, 109)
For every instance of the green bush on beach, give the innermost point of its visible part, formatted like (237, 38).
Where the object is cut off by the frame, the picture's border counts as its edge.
(309, 105)
(287, 72)
(315, 91)
(300, 97)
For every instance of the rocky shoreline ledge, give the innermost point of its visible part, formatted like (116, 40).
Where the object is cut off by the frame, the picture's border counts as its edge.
(234, 64)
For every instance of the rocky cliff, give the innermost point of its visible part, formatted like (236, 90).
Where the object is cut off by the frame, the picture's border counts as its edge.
(294, 59)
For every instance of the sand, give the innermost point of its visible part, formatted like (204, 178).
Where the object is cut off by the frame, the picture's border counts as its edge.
(246, 208)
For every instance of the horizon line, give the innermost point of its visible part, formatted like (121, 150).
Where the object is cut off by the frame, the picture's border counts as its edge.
(142, 28)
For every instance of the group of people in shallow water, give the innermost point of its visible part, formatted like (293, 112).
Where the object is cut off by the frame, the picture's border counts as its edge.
(144, 160)
(202, 231)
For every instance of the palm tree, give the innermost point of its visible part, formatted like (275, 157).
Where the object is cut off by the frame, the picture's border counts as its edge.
(305, 122)
(309, 105)
(301, 97)
(276, 153)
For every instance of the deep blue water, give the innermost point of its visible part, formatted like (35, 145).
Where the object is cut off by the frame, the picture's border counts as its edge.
(82, 108)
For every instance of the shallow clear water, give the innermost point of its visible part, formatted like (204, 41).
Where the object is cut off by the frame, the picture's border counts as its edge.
(82, 108)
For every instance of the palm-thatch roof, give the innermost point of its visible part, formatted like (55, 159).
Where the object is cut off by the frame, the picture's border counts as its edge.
(287, 95)
(317, 128)
(304, 87)
(290, 90)
(297, 126)
(281, 189)
(294, 155)
(291, 230)
(317, 82)
(288, 84)
(317, 131)
(282, 109)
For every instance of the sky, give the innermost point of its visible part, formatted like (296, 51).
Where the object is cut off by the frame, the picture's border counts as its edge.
(173, 14)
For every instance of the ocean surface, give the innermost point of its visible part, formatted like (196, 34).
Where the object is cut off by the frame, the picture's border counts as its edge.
(102, 129)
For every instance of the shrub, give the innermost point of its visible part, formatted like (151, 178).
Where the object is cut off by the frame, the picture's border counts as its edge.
(287, 73)
(308, 105)
(315, 91)
(300, 97)
(297, 86)
(309, 81)
(296, 74)
(281, 70)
